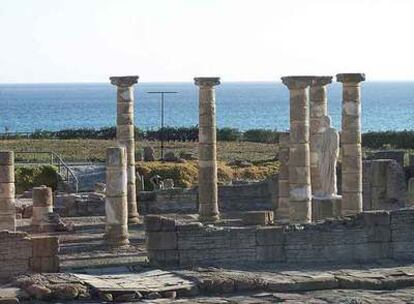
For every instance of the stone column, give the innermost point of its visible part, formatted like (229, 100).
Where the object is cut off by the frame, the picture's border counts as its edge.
(42, 206)
(207, 155)
(125, 135)
(300, 193)
(351, 143)
(7, 191)
(282, 211)
(318, 109)
(116, 204)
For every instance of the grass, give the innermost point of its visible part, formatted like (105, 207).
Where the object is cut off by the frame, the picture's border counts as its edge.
(81, 150)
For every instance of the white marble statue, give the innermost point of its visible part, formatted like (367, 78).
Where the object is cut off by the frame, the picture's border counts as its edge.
(328, 150)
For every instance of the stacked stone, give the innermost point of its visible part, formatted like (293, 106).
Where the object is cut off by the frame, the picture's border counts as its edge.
(125, 135)
(282, 211)
(351, 143)
(42, 207)
(45, 254)
(116, 204)
(207, 155)
(7, 191)
(300, 193)
(318, 109)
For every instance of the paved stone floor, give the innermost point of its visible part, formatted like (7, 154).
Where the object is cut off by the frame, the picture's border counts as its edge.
(83, 252)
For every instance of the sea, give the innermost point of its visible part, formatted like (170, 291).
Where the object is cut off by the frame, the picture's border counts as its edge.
(247, 105)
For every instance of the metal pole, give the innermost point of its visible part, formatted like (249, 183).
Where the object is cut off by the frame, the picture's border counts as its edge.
(162, 126)
(162, 118)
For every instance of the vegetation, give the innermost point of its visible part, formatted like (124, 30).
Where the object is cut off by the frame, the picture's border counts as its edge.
(372, 140)
(186, 174)
(28, 177)
(389, 139)
(75, 150)
(181, 134)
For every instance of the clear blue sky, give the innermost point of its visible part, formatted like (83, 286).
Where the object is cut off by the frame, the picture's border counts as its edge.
(175, 40)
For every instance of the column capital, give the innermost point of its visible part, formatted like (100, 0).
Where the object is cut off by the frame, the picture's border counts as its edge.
(206, 81)
(320, 81)
(350, 77)
(123, 81)
(297, 82)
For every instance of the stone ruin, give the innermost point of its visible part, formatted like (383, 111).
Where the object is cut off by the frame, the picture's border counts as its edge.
(309, 213)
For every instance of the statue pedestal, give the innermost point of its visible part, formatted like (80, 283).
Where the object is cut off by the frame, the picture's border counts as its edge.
(326, 207)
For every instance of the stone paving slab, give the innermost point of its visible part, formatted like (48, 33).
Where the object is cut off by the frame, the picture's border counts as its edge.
(149, 281)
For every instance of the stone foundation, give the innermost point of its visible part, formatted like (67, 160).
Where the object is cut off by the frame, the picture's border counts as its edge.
(323, 208)
(20, 254)
(366, 237)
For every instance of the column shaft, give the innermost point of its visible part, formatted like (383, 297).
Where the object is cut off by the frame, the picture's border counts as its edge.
(125, 136)
(207, 158)
(42, 206)
(351, 143)
(282, 211)
(300, 194)
(7, 191)
(116, 205)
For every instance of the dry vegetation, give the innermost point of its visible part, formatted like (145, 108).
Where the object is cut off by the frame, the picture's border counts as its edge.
(260, 155)
(82, 150)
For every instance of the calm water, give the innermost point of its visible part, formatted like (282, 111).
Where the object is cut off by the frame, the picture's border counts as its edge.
(27, 107)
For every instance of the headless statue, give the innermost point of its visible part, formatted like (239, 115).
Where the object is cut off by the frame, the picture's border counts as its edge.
(328, 149)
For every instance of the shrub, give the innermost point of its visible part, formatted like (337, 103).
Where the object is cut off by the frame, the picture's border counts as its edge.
(395, 139)
(33, 176)
(184, 175)
(261, 135)
(228, 134)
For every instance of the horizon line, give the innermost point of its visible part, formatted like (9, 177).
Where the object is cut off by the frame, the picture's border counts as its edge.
(182, 82)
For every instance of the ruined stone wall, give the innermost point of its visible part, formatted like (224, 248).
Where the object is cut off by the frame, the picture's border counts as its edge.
(20, 254)
(384, 185)
(232, 198)
(365, 237)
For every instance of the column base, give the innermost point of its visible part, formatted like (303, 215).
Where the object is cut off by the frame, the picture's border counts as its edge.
(209, 218)
(326, 207)
(115, 242)
(133, 218)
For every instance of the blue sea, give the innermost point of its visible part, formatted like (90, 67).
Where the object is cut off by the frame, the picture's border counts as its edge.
(29, 107)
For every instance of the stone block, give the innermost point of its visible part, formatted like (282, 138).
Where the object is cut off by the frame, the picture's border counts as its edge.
(47, 246)
(257, 218)
(8, 222)
(270, 236)
(161, 240)
(7, 174)
(6, 158)
(270, 254)
(44, 264)
(376, 218)
(163, 257)
(397, 155)
(323, 208)
(155, 223)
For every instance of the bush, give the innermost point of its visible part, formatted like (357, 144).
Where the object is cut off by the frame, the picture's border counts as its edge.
(261, 135)
(34, 176)
(228, 134)
(394, 139)
(184, 175)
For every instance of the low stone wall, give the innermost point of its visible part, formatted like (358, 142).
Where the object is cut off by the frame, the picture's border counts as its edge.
(239, 197)
(21, 254)
(366, 237)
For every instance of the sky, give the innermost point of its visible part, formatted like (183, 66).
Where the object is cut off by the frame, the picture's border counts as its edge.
(176, 40)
